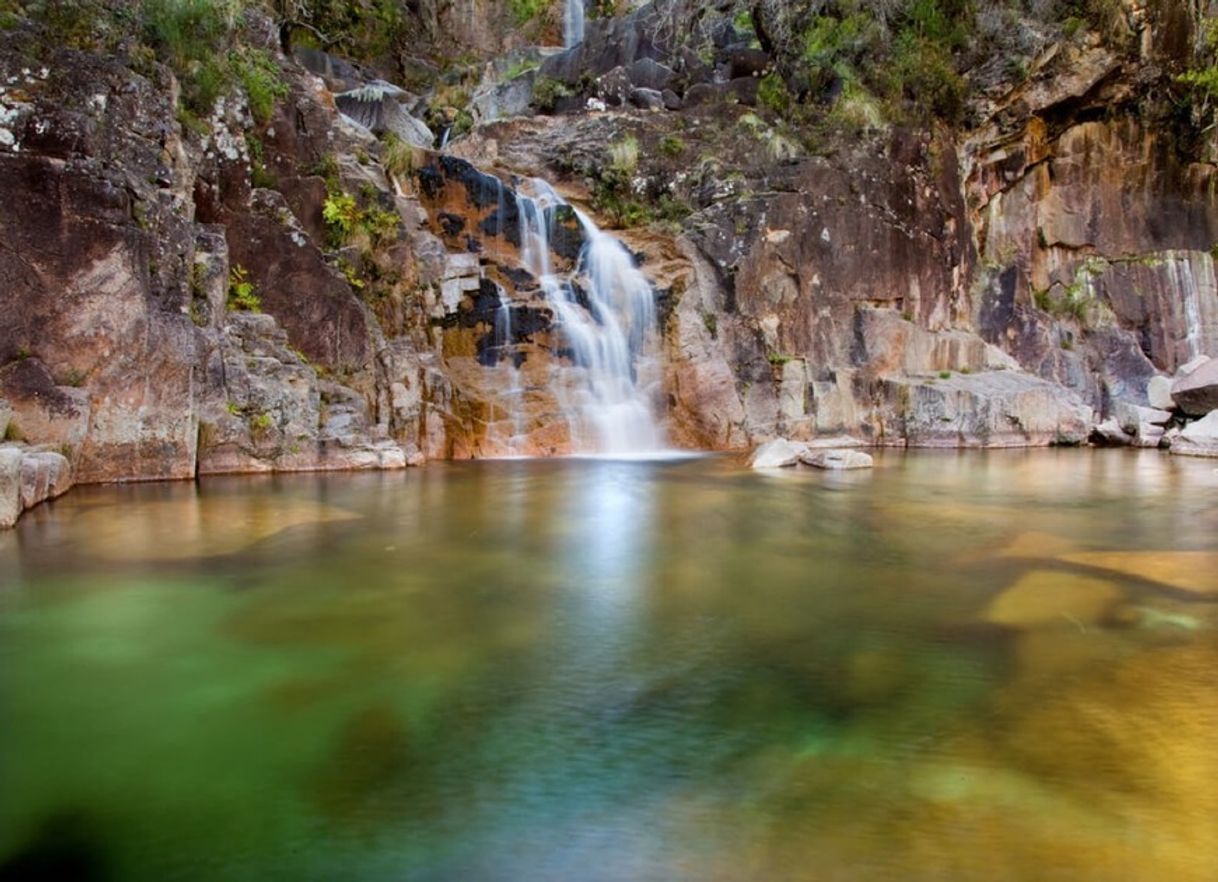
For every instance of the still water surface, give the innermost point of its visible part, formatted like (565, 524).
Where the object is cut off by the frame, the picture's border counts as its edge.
(957, 667)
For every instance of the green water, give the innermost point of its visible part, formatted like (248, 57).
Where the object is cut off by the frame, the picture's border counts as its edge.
(971, 666)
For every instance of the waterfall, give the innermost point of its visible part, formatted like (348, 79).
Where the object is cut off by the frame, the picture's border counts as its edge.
(605, 313)
(1182, 283)
(503, 339)
(573, 23)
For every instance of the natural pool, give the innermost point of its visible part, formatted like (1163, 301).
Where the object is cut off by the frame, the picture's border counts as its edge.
(977, 666)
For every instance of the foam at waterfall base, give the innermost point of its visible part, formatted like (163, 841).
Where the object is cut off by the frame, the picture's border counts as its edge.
(668, 454)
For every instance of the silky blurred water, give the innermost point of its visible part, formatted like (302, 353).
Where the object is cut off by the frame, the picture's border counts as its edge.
(959, 666)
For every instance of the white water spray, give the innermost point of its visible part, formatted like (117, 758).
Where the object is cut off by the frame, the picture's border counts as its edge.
(605, 313)
(573, 23)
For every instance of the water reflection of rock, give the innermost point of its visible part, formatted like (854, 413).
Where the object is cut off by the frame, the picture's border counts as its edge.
(189, 525)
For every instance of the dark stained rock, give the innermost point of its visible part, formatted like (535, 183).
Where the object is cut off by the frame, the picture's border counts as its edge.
(467, 203)
(615, 87)
(647, 99)
(746, 62)
(903, 245)
(1197, 393)
(743, 89)
(700, 93)
(610, 43)
(43, 410)
(339, 74)
(647, 73)
(1121, 365)
(693, 69)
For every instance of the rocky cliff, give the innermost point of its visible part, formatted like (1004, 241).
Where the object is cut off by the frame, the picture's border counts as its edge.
(278, 270)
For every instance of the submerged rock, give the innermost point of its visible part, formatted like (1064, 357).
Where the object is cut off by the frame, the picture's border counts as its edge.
(1051, 597)
(1037, 544)
(1135, 737)
(181, 527)
(1193, 571)
(837, 460)
(1152, 618)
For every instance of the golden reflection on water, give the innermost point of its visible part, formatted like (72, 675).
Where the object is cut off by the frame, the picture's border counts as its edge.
(961, 667)
(1194, 571)
(182, 524)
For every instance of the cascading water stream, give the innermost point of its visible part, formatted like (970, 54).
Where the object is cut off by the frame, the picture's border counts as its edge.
(605, 312)
(573, 23)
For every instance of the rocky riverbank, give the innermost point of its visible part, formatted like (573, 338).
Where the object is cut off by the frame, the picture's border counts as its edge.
(290, 274)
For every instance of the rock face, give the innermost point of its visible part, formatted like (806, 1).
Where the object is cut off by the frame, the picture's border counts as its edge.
(97, 351)
(380, 107)
(279, 415)
(1016, 282)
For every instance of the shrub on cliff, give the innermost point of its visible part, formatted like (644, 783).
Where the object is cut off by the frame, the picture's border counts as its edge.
(915, 58)
(900, 51)
(1202, 79)
(365, 30)
(242, 296)
(202, 41)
